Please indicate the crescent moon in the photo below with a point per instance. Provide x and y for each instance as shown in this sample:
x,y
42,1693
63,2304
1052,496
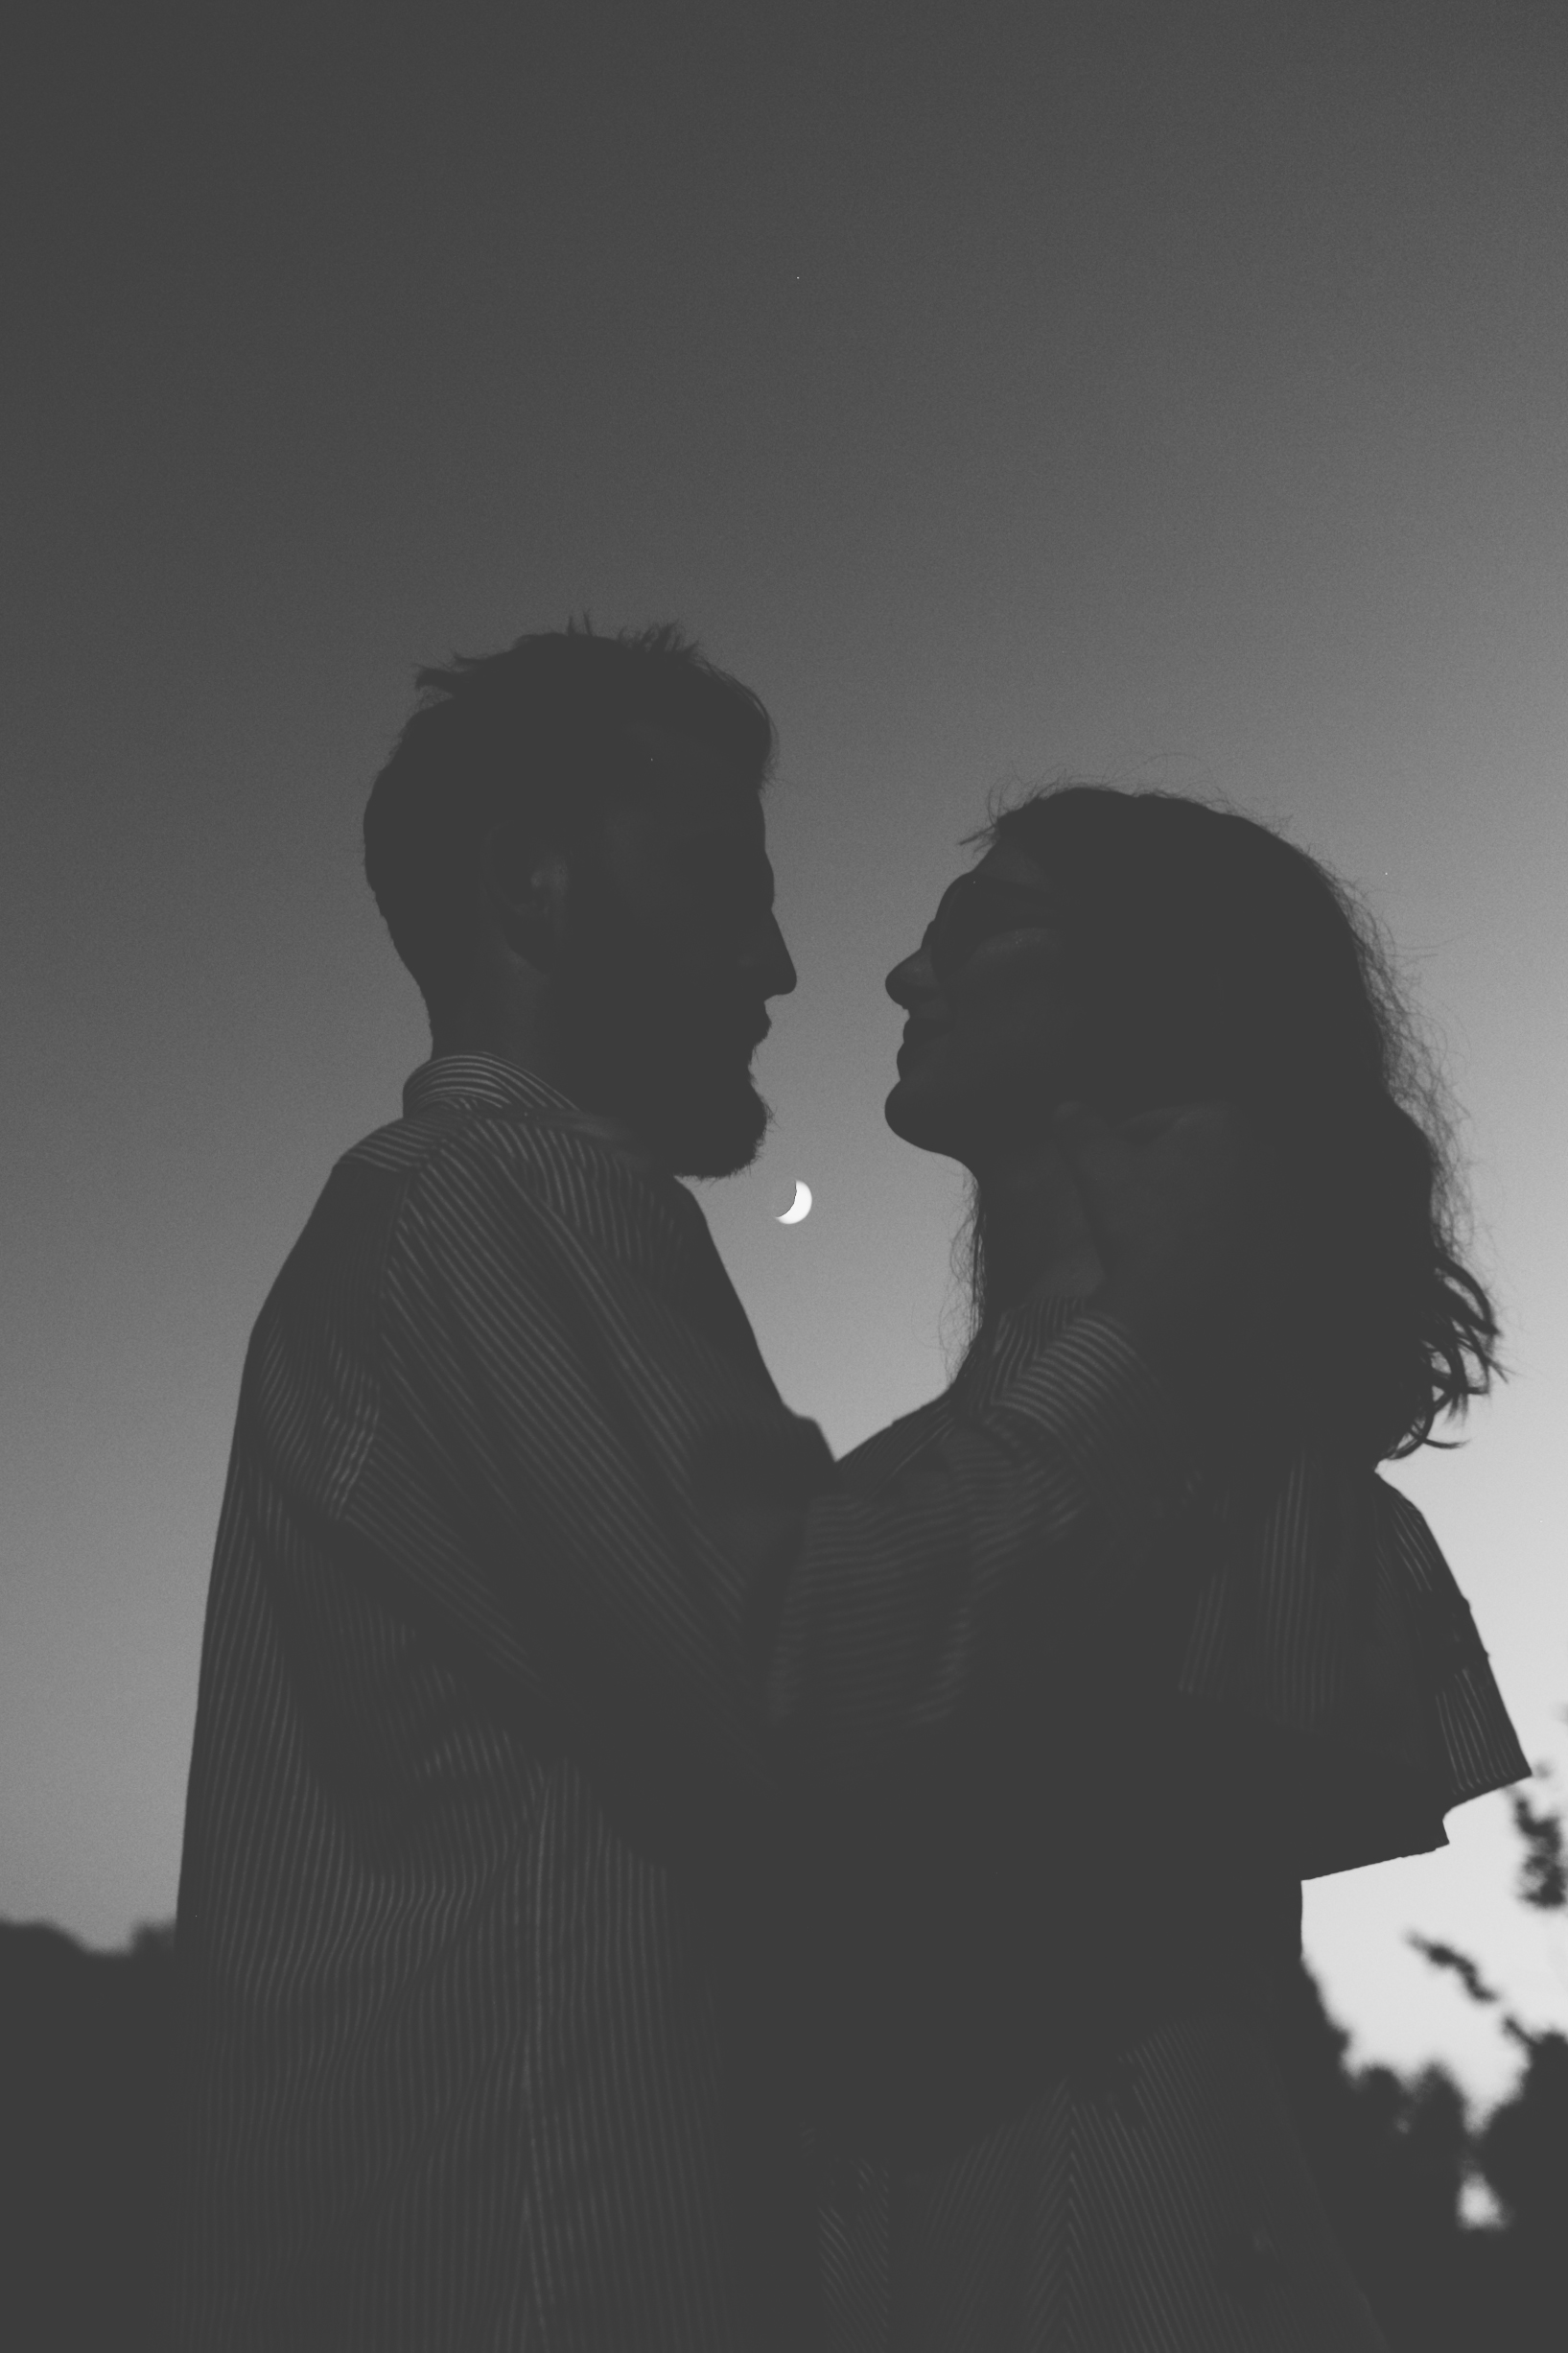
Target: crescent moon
x,y
799,1208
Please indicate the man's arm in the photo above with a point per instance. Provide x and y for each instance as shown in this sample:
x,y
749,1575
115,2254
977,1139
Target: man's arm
x,y
679,1545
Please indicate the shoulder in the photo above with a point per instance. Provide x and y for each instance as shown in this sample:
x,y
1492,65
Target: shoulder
x,y
465,1167
1414,1567
881,1457
1403,1529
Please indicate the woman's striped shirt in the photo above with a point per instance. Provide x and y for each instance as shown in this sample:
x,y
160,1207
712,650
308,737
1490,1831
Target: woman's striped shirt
x,y
1155,2200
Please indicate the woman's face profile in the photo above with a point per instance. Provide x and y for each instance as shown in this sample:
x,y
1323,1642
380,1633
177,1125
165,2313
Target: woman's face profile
x,y
988,1046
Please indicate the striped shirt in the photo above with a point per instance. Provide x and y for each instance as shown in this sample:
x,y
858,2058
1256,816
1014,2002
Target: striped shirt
x,y
1148,2194
532,1612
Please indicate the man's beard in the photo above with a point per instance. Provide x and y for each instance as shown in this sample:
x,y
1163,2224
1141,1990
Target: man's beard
x,y
668,1053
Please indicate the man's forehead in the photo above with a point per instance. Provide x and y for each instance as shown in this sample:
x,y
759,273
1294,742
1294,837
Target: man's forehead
x,y
693,788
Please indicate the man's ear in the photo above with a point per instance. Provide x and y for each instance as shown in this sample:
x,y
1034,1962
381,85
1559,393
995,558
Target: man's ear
x,y
526,888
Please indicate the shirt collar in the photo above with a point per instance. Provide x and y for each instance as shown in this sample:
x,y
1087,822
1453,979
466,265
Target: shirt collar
x,y
485,1081
488,1082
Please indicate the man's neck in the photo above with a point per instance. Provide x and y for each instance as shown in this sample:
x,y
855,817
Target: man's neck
x,y
513,1034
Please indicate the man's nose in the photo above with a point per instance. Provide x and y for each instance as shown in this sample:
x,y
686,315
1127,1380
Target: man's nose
x,y
772,962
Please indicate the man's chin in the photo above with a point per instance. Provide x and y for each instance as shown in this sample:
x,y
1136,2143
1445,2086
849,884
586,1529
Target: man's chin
x,y
714,1136
698,1112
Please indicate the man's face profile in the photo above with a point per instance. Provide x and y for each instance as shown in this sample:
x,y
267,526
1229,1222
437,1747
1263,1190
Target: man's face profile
x,y
670,952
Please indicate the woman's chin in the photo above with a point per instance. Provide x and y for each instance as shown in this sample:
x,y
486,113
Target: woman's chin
x,y
924,1116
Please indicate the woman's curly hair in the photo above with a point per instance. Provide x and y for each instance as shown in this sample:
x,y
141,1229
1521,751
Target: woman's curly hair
x,y
1209,957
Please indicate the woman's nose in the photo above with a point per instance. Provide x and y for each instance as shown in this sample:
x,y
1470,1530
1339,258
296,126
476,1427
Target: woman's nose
x,y
911,980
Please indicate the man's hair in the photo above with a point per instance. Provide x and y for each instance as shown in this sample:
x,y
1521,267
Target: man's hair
x,y
1212,958
534,738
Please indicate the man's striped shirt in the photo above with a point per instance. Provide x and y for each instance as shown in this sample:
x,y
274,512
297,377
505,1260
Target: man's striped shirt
x,y
532,1603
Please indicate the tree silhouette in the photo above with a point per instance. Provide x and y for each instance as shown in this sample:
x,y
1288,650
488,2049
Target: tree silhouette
x,y
1543,1875
86,2074
1392,2156
86,2062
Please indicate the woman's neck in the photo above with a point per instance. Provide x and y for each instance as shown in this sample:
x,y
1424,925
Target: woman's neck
x,y
1035,1233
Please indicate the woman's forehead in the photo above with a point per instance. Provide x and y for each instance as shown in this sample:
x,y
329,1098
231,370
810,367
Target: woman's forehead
x,y
1005,863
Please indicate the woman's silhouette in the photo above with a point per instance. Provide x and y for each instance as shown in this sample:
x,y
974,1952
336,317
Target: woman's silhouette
x,y
1046,2113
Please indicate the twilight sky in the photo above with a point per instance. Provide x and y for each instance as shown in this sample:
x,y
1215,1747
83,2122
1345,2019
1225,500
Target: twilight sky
x,y
1162,393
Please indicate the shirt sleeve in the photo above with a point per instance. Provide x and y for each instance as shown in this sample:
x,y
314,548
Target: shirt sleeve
x,y
1330,1640
681,1545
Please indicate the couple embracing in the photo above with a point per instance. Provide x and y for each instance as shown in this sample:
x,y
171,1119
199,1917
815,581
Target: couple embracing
x,y
651,1888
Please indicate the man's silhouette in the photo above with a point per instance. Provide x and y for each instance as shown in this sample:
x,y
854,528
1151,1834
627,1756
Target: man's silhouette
x,y
532,1606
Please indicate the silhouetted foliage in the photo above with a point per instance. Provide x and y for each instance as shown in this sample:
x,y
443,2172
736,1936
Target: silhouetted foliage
x,y
1460,1965
1393,2159
87,2068
1390,2158
1544,1874
86,2063
1523,2149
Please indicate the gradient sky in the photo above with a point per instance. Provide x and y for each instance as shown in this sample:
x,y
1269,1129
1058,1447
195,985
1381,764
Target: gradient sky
x,y
1162,393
